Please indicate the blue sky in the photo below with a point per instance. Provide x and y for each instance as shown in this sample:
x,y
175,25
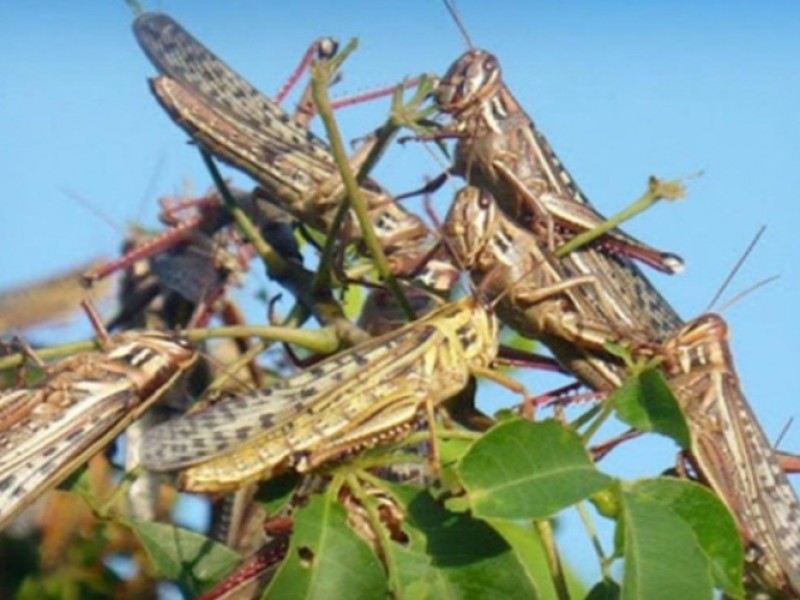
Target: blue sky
x,y
622,91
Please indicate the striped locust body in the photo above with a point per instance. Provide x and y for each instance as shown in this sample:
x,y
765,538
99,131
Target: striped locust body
x,y
501,150
48,431
369,394
232,120
566,303
733,455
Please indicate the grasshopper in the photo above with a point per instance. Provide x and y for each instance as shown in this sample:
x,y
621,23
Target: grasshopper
x,y
500,148
195,259
572,308
233,121
733,455
48,431
370,394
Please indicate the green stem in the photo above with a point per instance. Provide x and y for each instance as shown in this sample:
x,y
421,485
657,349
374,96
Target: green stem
x,y
15,360
104,509
656,190
386,459
275,262
588,524
446,433
605,412
230,371
323,341
322,278
320,80
545,531
299,281
401,115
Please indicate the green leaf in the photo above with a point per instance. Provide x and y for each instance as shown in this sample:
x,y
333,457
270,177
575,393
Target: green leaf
x,y
468,558
519,342
662,557
646,402
524,470
326,559
353,301
711,523
452,449
184,556
604,590
526,545
414,572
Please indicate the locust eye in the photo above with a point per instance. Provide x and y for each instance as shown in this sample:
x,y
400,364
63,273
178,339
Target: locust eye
x,y
484,201
490,64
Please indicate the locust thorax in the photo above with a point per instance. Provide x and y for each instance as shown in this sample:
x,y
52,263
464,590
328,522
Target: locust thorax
x,y
151,359
473,78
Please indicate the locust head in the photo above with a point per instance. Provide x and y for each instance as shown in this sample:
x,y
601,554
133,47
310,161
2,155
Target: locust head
x,y
469,82
177,349
469,225
157,358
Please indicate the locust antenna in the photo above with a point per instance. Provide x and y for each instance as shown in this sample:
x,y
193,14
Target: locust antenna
x,y
233,372
742,294
735,270
149,191
95,209
733,273
451,8
783,433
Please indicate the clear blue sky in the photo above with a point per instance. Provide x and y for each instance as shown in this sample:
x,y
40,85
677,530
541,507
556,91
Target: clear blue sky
x,y
623,91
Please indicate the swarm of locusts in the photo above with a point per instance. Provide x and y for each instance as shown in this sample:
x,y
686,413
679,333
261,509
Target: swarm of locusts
x,y
361,466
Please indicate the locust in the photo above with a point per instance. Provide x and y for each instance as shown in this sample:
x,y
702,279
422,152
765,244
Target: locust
x,y
49,430
572,308
371,394
195,259
500,148
294,169
733,455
